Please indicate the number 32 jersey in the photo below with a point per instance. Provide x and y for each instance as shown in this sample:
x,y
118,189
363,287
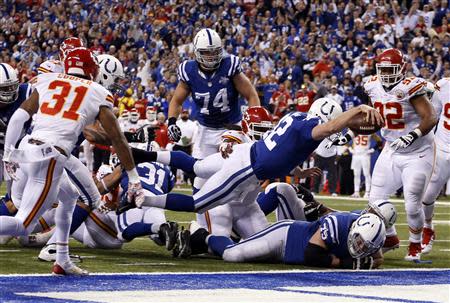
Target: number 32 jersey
x,y
66,105
215,95
395,107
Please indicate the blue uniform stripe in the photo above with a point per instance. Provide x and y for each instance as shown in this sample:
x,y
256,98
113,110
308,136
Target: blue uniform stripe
x,y
232,187
378,232
286,205
125,223
118,223
335,228
266,231
6,70
80,186
209,37
223,185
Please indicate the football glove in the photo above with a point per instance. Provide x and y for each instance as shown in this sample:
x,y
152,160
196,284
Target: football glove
x,y
312,211
363,263
135,194
10,167
173,130
406,140
341,140
225,149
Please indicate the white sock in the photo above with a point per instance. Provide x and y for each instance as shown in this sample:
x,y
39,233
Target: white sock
x,y
428,210
11,226
155,201
163,157
63,219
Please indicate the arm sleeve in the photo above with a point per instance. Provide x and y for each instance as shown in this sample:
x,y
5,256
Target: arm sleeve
x,y
317,256
18,119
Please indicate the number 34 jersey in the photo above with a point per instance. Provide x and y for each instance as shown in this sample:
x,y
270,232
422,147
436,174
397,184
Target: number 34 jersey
x,y
395,107
215,95
66,105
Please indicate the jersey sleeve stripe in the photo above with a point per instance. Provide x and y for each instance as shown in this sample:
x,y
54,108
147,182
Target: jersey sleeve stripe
x,y
233,138
236,64
335,226
415,88
109,98
231,66
184,72
180,74
43,70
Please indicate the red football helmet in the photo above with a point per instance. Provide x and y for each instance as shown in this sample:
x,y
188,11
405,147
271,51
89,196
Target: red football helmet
x,y
256,121
67,45
391,67
81,62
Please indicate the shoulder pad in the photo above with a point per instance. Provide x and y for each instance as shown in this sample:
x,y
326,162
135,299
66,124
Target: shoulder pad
x,y
184,70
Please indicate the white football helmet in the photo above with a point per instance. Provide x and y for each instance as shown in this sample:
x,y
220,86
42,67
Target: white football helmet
x,y
325,108
383,209
109,73
366,236
9,84
208,49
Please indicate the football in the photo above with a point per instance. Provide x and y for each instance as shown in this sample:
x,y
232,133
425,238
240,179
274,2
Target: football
x,y
362,127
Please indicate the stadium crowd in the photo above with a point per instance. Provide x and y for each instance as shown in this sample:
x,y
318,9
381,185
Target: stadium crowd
x,y
293,51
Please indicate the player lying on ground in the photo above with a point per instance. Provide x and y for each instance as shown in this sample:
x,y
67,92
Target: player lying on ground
x,y
48,147
103,228
337,240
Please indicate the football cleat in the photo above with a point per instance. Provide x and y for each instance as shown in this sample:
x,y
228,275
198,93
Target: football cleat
x,y
366,195
68,269
168,231
48,254
391,242
355,195
428,237
414,252
182,247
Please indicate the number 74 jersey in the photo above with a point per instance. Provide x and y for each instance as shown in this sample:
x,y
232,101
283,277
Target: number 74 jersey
x,y
66,105
395,107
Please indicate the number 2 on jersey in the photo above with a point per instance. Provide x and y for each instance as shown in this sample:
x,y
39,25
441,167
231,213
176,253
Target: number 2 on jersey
x,y
278,131
392,112
61,98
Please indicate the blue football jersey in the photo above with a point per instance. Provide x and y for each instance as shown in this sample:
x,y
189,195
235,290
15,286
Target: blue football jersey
x,y
334,229
286,147
7,111
155,177
215,95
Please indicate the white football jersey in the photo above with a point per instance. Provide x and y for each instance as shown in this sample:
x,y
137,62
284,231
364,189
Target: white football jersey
x,y
51,66
361,145
132,127
395,107
441,98
235,136
66,105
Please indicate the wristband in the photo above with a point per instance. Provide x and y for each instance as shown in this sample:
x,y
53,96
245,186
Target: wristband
x,y
172,121
418,132
133,176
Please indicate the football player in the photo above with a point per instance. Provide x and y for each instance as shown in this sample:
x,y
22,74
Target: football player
x,y
337,240
57,66
12,95
295,137
214,80
441,173
103,228
42,154
408,157
361,152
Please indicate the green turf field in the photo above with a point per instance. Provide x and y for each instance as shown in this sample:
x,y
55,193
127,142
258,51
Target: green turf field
x,y
142,255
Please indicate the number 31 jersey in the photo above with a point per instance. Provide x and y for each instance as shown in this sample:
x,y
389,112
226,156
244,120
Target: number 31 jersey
x,y
395,107
66,105
215,95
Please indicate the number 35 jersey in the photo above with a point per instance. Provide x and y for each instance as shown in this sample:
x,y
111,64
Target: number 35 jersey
x,y
66,105
395,107
215,95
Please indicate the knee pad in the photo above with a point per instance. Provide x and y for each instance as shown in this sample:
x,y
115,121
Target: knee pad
x,y
413,209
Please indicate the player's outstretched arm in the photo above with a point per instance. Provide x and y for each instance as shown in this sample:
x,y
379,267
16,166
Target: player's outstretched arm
x,y
246,89
110,181
324,130
95,133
